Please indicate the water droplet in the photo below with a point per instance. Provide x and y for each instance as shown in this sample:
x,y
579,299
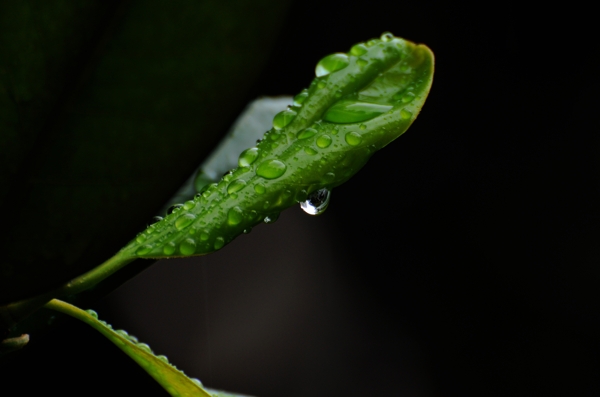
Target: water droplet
x,y
140,238
351,111
353,138
307,133
323,141
187,246
196,381
156,219
247,230
174,208
188,205
271,218
92,313
334,132
144,249
321,84
317,202
169,248
144,347
330,176
235,216
362,62
163,358
331,63
227,176
260,188
236,186
310,151
219,243
363,127
271,169
408,97
184,221
405,114
300,98
358,49
372,42
204,236
387,36
123,333
132,338
282,119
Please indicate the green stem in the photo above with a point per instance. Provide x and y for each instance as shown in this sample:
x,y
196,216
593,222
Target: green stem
x,y
16,311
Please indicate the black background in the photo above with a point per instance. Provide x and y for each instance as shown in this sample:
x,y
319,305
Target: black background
x,y
462,260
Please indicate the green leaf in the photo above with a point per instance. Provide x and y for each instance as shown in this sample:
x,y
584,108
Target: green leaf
x,y
105,107
357,105
174,381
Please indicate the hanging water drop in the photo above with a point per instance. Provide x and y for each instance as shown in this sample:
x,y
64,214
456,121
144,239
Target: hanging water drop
x,y
331,63
317,202
184,221
271,169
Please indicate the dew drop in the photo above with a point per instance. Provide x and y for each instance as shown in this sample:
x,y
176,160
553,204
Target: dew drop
x,y
271,169
140,238
188,205
123,333
271,218
310,151
405,114
334,132
219,243
353,138
358,50
163,358
408,97
307,133
300,98
387,36
330,176
323,141
317,202
247,230
321,84
92,313
234,216
351,111
169,248
236,186
174,208
156,219
196,381
331,63
184,221
362,62
144,347
187,246
204,236
282,119
260,188
363,127
132,338
144,249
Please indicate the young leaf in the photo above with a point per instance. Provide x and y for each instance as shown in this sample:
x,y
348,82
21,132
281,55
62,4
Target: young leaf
x,y
174,381
358,103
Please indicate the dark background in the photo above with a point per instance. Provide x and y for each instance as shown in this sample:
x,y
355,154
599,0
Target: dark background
x,y
462,260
